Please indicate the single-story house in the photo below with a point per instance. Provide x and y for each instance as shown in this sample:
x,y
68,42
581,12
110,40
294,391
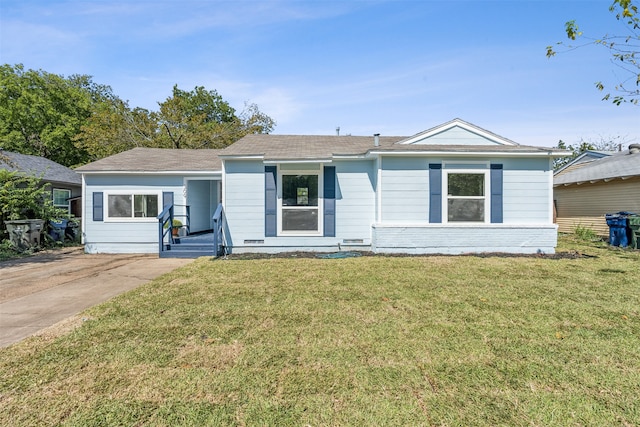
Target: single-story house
x,y
125,193
591,186
64,183
452,189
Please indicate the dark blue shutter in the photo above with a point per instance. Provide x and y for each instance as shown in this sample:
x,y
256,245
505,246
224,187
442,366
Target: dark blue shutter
x,y
98,206
270,202
167,199
329,201
435,192
496,193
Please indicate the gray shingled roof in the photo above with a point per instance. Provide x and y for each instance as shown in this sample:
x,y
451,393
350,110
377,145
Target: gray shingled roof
x,y
585,157
306,147
619,165
290,148
157,160
37,166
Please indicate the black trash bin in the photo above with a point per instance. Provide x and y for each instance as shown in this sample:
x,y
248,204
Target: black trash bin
x,y
72,231
619,231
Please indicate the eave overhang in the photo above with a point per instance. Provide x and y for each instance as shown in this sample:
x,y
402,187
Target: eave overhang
x,y
594,181
179,173
469,153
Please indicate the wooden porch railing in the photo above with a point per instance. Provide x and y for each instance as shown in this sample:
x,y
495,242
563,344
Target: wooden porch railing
x,y
165,225
186,217
219,236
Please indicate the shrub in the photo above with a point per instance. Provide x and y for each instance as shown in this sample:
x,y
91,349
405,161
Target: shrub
x,y
25,197
176,224
585,233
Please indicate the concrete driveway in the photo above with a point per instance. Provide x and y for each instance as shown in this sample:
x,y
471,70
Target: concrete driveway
x,y
42,290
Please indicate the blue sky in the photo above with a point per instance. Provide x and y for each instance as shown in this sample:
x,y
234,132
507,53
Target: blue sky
x,y
389,67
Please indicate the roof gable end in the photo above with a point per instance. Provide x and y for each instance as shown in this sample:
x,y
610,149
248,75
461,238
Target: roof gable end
x,y
456,132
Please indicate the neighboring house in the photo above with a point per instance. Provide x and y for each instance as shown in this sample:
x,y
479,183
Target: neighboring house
x,y
124,194
64,183
453,189
584,157
593,185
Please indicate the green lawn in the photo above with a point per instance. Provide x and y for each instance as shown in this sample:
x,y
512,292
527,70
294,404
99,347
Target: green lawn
x,y
442,341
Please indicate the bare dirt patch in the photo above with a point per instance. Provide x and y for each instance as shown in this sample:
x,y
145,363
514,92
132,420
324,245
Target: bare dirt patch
x,y
302,254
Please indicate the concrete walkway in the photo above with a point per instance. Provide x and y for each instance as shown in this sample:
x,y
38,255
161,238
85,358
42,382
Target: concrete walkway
x,y
42,290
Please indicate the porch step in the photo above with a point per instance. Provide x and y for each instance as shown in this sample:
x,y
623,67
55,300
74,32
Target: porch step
x,y
186,253
190,247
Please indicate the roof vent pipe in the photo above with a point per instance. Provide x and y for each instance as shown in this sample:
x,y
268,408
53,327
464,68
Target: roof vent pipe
x,y
337,130
376,139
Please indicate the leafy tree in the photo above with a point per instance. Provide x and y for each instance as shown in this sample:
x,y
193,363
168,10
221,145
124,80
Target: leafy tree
x,y
202,119
40,112
195,119
624,48
73,120
113,127
254,121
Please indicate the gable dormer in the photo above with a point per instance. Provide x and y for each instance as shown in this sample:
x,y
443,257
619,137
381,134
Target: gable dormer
x,y
456,132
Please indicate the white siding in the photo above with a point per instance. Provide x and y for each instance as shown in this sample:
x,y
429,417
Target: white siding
x,y
457,136
244,200
244,208
123,236
404,199
215,201
355,200
404,189
527,188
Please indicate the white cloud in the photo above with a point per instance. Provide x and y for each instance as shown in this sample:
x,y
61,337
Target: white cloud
x,y
278,104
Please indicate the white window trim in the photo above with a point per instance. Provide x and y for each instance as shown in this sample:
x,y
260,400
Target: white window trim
x,y
68,205
107,218
304,233
445,195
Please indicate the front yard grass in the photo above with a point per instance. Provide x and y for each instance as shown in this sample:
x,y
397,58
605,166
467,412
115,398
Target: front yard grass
x,y
442,341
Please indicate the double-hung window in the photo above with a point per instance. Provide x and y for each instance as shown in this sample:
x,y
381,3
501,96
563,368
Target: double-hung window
x,y
300,204
125,206
61,199
467,196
